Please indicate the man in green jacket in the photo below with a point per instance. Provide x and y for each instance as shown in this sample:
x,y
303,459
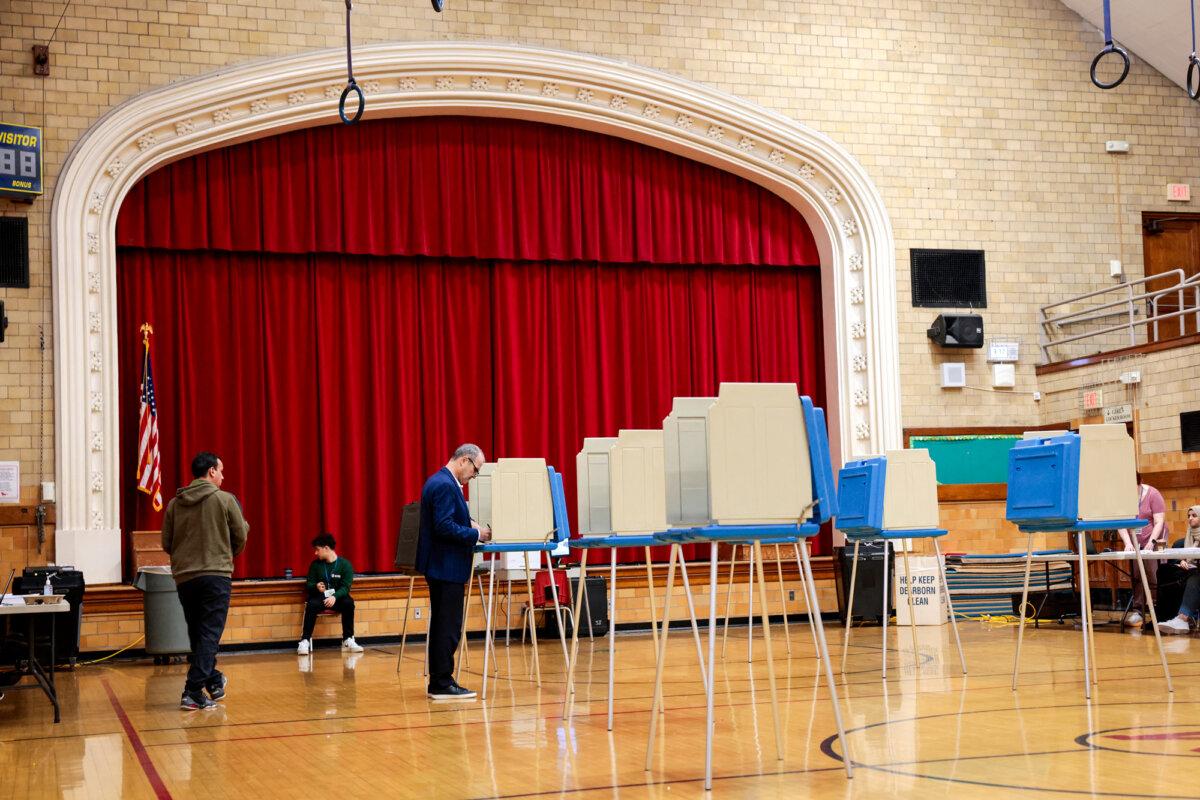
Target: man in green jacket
x,y
329,579
202,531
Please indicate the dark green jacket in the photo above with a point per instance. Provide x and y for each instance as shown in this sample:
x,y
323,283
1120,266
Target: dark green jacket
x,y
202,531
337,576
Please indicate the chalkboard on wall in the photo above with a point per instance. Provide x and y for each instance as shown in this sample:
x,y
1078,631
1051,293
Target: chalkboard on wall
x,y
981,458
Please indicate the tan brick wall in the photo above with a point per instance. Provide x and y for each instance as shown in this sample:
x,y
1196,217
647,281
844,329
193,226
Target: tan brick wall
x,y
975,118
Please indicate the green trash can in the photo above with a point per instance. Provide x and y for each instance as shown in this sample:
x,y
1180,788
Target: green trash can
x,y
162,614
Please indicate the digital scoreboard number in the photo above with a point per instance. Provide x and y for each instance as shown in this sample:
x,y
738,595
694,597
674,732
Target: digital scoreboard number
x,y
20,161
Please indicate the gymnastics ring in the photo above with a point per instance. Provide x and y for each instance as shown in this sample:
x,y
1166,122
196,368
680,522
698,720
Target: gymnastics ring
x,y
1109,47
437,5
352,86
1193,66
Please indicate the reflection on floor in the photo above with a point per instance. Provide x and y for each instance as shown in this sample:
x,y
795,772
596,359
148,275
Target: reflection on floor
x,y
337,725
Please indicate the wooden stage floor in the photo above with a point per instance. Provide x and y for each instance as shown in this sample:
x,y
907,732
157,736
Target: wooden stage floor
x,y
352,728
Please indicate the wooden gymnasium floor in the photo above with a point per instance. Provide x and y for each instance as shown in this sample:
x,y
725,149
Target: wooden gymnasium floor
x,y
352,728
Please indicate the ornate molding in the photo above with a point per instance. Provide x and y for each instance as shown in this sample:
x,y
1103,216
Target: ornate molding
x,y
808,169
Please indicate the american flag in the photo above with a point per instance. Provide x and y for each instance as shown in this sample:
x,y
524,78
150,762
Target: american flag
x,y
149,471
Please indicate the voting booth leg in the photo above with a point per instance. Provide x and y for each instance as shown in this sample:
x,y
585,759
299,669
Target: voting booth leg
x,y
687,592
710,684
1154,619
787,634
507,612
568,701
804,591
1087,650
937,551
885,605
558,616
1024,602
751,558
1086,598
404,627
765,614
537,664
487,625
612,629
912,611
849,607
814,605
465,656
657,703
653,610
728,599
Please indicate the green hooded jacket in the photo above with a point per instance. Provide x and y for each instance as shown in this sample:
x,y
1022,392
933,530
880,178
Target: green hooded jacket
x,y
202,531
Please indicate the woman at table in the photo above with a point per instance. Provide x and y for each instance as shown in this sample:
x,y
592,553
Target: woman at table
x,y
1190,606
1153,509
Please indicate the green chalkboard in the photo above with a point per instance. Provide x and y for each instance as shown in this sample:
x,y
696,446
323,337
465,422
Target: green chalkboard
x,y
969,459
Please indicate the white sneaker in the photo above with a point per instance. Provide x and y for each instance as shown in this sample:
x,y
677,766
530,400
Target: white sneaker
x,y
351,646
305,647
1175,627
1133,620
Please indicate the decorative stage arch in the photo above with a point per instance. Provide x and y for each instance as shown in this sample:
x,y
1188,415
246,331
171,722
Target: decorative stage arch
x,y
818,177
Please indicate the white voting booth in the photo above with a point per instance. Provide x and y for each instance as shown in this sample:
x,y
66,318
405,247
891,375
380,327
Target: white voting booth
x,y
514,497
760,488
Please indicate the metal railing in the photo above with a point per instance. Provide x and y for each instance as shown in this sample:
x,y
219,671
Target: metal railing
x,y
1056,328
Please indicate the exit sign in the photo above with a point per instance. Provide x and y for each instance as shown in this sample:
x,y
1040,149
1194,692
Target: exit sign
x,y
1179,192
1093,399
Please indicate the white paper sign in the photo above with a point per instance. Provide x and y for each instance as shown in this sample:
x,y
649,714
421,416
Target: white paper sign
x,y
10,482
1122,413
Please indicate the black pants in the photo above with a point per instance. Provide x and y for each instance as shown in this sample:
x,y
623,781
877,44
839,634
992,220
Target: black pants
x,y
205,603
445,628
315,605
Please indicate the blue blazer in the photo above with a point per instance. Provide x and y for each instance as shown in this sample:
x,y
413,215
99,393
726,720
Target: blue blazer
x,y
446,545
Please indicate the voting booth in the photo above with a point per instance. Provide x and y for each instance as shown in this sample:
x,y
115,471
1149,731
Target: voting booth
x,y
889,497
1076,482
769,479
1058,481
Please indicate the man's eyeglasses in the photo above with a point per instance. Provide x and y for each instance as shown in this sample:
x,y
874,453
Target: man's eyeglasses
x,y
474,468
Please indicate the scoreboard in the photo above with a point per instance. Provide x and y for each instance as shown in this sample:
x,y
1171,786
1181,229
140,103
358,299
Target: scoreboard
x,y
20,161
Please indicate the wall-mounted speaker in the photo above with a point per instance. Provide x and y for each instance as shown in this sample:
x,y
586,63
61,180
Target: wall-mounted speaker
x,y
957,330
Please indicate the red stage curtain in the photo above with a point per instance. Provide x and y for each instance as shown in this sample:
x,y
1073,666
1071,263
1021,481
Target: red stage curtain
x,y
332,383
464,188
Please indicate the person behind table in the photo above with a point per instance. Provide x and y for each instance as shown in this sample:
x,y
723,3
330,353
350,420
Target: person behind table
x,y
329,579
1153,509
1190,606
203,530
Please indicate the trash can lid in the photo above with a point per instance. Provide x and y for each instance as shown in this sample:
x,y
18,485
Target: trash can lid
x,y
154,579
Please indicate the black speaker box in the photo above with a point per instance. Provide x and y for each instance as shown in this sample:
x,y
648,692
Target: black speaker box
x,y
957,330
66,581
595,609
868,582
410,532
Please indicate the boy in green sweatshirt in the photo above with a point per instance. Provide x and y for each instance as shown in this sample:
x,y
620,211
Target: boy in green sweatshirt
x,y
329,580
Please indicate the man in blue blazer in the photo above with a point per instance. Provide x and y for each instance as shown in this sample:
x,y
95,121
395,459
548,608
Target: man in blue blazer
x,y
445,552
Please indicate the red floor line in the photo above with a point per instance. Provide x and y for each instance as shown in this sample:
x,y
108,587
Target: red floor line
x,y
143,757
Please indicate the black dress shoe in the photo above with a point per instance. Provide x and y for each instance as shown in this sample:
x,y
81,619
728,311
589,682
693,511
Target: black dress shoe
x,y
452,692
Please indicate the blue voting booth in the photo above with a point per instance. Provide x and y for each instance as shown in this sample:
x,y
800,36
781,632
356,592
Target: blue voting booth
x,y
1074,483
884,498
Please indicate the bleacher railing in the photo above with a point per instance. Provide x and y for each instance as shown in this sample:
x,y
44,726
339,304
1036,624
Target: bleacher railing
x,y
1124,302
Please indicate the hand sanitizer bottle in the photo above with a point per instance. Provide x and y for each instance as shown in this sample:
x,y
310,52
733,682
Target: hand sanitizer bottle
x,y
47,589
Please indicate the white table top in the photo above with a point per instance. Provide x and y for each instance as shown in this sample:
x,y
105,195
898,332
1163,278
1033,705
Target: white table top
x,y
1171,553
47,608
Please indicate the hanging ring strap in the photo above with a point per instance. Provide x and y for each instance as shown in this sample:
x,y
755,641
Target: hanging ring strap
x,y
1193,73
351,84
1109,47
437,5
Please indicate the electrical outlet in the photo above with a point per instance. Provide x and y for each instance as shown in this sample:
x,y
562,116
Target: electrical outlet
x,y
791,595
417,612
